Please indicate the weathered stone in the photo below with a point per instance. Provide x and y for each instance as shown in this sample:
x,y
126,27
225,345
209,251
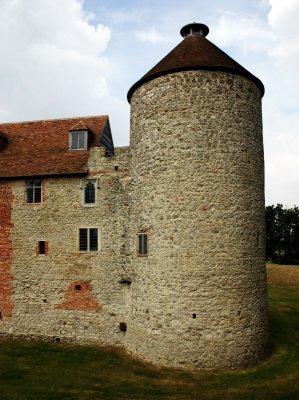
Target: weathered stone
x,y
205,274
193,181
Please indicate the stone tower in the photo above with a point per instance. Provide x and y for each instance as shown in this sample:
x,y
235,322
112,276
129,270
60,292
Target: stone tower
x,y
199,289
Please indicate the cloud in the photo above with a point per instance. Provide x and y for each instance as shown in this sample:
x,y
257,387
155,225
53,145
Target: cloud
x,y
283,19
248,32
265,41
282,156
53,63
124,17
151,35
281,110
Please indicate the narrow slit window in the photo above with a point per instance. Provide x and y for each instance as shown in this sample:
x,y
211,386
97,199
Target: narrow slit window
x,y
142,244
42,247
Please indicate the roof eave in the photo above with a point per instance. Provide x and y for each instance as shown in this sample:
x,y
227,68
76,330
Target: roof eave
x,y
148,78
45,175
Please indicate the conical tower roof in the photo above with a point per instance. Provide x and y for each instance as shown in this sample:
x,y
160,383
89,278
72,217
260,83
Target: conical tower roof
x,y
195,52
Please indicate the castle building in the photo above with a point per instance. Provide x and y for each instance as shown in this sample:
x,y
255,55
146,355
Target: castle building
x,y
158,247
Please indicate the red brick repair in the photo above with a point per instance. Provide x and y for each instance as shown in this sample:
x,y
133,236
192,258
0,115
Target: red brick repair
x,y
79,297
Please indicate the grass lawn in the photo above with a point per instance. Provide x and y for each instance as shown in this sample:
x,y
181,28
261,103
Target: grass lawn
x,y
40,371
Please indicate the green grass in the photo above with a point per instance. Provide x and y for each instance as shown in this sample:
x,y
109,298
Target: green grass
x,y
48,371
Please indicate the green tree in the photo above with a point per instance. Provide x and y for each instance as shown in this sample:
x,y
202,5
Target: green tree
x,y
282,240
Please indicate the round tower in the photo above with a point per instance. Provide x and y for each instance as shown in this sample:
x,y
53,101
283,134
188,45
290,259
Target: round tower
x,y
197,211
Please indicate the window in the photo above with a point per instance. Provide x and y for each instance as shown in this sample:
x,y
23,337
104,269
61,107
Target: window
x,y
33,191
142,244
42,248
88,239
89,193
78,140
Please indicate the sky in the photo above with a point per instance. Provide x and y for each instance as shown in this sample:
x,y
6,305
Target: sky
x,y
71,58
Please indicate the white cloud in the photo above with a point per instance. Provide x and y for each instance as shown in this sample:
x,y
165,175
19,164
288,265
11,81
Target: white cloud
x,y
151,35
124,17
269,47
283,19
53,63
282,156
247,32
281,109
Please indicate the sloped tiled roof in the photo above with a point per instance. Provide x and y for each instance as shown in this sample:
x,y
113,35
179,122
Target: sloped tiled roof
x,y
41,148
193,53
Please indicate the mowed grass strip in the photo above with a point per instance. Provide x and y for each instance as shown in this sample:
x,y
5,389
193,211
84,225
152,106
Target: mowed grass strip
x,y
44,371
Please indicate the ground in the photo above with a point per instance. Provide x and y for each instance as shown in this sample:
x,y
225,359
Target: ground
x,y
55,371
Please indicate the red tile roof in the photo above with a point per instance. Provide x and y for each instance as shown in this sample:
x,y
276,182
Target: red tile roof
x,y
193,53
41,148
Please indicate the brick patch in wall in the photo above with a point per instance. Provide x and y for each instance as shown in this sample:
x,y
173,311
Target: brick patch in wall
x,y
6,203
79,297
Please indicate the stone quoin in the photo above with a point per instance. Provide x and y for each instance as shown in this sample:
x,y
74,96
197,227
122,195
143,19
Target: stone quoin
x,y
159,246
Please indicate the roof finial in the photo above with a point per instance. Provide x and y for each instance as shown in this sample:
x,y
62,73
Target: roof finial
x,y
194,29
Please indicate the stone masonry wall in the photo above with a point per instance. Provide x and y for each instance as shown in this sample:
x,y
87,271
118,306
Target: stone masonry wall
x,y
65,294
6,202
199,297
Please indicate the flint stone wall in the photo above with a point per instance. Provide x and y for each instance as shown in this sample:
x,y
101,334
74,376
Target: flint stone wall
x,y
199,298
66,294
193,179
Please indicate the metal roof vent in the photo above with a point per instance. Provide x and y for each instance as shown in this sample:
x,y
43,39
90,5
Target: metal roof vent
x,y
194,29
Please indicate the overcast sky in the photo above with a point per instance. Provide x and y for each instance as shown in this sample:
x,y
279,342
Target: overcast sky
x,y
64,58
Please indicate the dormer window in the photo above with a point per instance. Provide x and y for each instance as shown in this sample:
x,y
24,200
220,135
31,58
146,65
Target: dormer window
x,y
78,140
3,141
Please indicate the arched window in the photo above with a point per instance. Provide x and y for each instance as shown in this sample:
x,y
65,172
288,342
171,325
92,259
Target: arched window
x,y
89,193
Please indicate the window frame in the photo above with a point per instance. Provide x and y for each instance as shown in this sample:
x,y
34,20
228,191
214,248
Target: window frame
x,y
85,182
142,244
88,239
77,132
35,188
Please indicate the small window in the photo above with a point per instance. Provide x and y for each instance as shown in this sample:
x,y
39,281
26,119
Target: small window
x,y
33,191
89,193
142,244
78,140
88,239
42,248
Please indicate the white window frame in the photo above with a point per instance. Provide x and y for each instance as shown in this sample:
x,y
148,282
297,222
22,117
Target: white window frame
x,y
88,240
85,132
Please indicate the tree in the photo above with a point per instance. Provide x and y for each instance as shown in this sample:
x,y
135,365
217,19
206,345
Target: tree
x,y
282,237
